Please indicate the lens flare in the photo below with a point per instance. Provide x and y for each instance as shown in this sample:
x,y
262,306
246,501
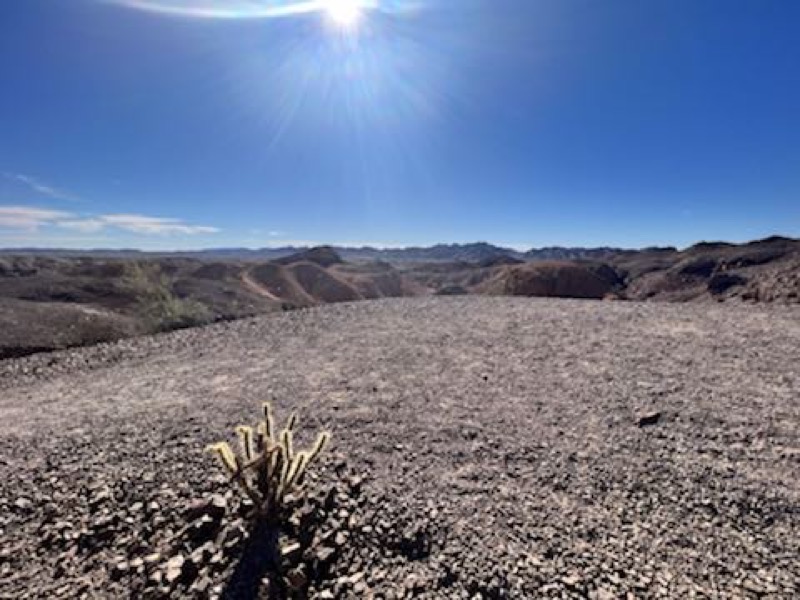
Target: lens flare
x,y
343,13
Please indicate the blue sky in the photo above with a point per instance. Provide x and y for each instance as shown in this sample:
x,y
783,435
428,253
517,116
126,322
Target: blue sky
x,y
165,124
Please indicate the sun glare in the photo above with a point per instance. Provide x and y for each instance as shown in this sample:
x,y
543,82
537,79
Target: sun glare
x,y
343,13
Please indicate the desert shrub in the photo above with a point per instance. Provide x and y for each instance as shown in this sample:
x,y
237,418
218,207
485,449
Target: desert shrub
x,y
156,303
165,312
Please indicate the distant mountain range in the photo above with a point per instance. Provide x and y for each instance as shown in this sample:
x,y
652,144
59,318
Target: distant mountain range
x,y
479,252
52,299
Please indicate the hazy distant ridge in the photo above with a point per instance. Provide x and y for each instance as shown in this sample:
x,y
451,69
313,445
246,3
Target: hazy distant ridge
x,y
474,252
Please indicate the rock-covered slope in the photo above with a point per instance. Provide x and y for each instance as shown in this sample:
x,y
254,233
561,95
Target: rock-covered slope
x,y
56,302
554,280
320,276
765,270
761,271
483,446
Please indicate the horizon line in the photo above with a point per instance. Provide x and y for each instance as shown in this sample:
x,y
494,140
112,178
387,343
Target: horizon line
x,y
386,248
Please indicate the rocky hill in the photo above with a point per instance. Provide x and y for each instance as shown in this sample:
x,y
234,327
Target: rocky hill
x,y
52,301
553,280
765,270
57,302
761,271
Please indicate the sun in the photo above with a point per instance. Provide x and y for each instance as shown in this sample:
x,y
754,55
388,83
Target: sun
x,y
343,13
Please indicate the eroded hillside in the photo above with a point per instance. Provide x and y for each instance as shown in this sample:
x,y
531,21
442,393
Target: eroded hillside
x,y
51,302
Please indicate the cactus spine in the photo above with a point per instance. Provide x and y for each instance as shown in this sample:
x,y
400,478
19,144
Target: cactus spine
x,y
267,466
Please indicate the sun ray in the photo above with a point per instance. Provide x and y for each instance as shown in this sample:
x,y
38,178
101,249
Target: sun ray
x,y
344,13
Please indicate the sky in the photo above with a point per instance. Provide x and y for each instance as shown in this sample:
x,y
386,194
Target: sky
x,y
179,124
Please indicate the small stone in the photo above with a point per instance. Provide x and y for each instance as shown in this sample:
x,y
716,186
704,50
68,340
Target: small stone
x,y
119,570
217,558
753,586
412,582
297,579
202,585
649,419
290,551
155,579
604,594
202,555
23,504
231,536
203,530
356,577
213,507
325,554
99,498
174,569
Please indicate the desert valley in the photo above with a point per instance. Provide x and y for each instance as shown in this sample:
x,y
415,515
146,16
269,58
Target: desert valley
x,y
399,300
59,299
483,445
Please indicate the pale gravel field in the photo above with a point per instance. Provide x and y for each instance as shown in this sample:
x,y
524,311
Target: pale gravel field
x,y
508,426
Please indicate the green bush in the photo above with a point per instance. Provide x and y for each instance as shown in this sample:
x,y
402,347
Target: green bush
x,y
155,302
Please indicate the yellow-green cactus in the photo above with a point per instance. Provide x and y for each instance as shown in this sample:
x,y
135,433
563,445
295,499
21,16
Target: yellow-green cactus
x,y
267,467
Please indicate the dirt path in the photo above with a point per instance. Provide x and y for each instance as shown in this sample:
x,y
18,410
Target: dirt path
x,y
498,438
257,288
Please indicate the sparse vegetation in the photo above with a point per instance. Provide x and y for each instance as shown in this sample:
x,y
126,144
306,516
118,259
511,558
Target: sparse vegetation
x,y
157,305
267,466
267,469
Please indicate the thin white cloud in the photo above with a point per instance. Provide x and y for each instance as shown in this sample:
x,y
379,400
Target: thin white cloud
x,y
28,218
154,225
40,187
31,219
83,225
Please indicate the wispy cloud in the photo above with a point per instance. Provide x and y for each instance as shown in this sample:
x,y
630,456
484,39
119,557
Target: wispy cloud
x,y
29,219
154,225
83,225
40,187
26,218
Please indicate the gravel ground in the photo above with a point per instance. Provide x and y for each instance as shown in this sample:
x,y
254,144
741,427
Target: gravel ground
x,y
483,448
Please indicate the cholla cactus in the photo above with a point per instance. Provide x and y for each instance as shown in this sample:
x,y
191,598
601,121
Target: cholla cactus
x,y
267,466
